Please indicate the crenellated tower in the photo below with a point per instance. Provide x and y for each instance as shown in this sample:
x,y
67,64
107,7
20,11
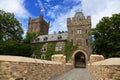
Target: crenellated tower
x,y
38,25
79,28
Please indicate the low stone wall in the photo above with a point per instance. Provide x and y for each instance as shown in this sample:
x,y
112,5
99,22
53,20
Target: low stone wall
x,y
21,68
96,58
105,70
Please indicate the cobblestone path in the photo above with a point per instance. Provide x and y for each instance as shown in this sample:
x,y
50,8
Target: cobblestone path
x,y
75,74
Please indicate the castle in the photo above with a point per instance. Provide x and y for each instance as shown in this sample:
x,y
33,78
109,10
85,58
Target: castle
x,y
38,25
79,28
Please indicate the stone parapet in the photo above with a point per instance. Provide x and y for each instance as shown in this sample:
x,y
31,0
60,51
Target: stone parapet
x,y
105,70
95,58
21,68
59,58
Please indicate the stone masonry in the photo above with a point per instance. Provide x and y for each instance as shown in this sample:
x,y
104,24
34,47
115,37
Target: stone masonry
x,y
79,34
22,68
79,28
38,25
108,69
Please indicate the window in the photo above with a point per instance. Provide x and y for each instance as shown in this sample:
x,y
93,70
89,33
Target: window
x,y
37,39
43,56
79,43
58,48
45,38
79,31
59,37
43,50
87,42
71,31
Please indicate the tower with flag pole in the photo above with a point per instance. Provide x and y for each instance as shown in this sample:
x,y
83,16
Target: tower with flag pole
x,y
39,24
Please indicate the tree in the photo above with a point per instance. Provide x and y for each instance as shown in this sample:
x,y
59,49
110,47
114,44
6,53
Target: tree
x,y
11,47
11,36
10,28
31,36
107,36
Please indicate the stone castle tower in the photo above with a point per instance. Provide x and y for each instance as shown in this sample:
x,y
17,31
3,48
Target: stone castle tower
x,y
79,28
38,25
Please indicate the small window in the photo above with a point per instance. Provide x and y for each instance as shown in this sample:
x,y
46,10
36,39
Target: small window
x,y
43,56
87,42
71,32
43,50
58,48
79,31
59,37
45,38
37,39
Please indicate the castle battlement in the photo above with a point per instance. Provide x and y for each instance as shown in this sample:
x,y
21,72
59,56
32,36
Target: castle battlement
x,y
79,19
38,25
78,28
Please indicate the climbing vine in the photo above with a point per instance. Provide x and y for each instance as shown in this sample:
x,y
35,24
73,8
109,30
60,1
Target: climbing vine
x,y
50,50
67,50
37,49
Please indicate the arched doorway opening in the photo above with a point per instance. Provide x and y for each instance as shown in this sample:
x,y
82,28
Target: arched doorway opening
x,y
80,60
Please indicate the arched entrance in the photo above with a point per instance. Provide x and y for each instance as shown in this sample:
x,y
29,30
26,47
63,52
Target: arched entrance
x,y
79,60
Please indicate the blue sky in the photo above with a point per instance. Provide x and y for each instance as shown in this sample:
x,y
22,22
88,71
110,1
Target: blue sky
x,y
56,11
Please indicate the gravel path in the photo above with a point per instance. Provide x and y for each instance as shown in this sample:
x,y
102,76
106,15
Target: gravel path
x,y
75,74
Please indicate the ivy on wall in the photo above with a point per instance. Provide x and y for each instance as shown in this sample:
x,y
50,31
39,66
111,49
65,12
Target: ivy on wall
x,y
37,49
67,50
50,50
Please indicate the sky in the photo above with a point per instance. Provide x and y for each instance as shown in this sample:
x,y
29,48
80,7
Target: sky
x,y
56,11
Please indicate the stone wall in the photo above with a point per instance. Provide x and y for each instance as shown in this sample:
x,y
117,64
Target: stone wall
x,y
108,69
59,58
38,25
21,68
96,58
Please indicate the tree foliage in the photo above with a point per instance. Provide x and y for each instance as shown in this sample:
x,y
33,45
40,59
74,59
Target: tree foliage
x,y
107,36
67,50
11,36
11,47
31,36
10,28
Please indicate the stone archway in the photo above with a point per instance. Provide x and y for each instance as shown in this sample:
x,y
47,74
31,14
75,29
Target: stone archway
x,y
79,59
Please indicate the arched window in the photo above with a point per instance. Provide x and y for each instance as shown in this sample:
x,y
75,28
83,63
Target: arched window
x,y
45,38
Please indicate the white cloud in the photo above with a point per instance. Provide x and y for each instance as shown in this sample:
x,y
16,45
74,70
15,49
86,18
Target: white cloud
x,y
48,0
39,3
60,22
24,25
100,8
52,11
14,6
94,8
51,14
18,8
